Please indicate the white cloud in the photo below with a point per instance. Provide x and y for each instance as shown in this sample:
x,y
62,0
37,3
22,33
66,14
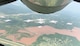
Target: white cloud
x,y
40,26
40,21
8,20
29,20
53,21
69,23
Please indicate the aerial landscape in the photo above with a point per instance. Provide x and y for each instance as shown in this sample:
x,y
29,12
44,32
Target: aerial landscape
x,y
20,27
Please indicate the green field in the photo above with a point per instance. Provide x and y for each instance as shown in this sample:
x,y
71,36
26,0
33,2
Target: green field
x,y
56,40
